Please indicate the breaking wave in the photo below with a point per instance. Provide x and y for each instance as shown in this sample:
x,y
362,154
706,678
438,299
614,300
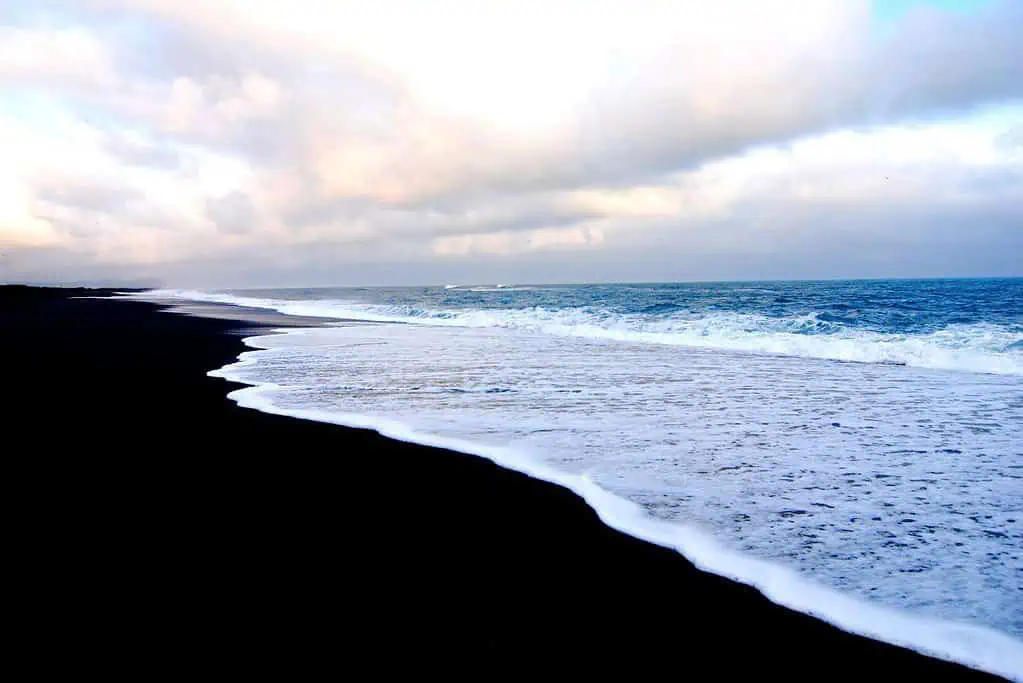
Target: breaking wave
x,y
977,347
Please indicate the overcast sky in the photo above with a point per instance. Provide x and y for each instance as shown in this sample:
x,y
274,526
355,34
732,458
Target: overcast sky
x,y
239,143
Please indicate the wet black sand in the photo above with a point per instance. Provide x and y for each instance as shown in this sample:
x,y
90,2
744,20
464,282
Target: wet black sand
x,y
157,528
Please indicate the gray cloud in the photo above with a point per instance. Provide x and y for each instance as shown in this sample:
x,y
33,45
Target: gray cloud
x,y
942,60
233,213
1012,140
140,151
936,63
89,196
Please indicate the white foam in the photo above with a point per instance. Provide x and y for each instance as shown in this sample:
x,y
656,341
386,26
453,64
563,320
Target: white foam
x,y
975,646
981,348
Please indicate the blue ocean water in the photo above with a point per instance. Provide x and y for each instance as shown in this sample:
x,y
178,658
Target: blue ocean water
x,y
853,448
972,325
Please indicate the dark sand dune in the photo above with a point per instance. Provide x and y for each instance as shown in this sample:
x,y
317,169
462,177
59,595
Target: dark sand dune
x,y
159,527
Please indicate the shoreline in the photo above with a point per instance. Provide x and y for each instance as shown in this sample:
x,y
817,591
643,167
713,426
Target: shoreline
x,y
943,639
287,521
974,645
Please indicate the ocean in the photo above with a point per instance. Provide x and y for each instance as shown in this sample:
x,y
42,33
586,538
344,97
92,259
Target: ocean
x,y
852,448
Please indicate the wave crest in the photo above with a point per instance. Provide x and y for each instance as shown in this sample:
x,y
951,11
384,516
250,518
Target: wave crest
x,y
983,347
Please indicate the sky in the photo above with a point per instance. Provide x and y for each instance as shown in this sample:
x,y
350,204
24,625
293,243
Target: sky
x,y
238,143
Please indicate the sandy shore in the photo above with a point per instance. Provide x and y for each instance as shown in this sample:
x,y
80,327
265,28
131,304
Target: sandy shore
x,y
163,528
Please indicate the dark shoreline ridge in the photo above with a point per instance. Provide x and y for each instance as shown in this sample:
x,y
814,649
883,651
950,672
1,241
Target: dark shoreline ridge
x,y
163,528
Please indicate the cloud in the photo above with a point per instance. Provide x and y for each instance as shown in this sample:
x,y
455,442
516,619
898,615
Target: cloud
x,y
135,149
70,58
447,95
1011,142
233,213
149,135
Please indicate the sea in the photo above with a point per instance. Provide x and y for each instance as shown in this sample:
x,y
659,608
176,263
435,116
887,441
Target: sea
x,y
854,449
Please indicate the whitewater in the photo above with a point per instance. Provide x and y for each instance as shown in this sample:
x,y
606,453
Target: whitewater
x,y
977,346
853,449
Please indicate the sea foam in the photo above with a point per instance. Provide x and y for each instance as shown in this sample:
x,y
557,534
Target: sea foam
x,y
977,347
975,646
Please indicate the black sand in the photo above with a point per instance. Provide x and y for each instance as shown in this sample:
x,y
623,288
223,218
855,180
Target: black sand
x,y
160,528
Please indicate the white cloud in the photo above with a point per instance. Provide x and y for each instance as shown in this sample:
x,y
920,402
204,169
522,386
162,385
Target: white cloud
x,y
402,131
67,57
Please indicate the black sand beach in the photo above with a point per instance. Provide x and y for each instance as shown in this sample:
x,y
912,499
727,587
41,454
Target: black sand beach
x,y
160,528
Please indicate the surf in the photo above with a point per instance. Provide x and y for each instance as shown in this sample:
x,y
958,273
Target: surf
x,y
978,347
